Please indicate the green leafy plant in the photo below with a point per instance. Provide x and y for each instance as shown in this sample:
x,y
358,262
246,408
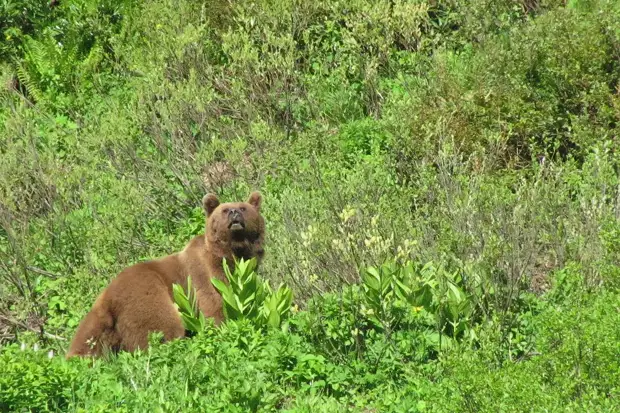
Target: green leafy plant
x,y
248,297
384,288
437,291
192,317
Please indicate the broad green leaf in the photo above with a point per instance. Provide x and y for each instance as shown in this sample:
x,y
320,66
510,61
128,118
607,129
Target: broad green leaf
x,y
219,285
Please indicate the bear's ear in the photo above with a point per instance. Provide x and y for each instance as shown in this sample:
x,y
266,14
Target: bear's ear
x,y
255,200
209,203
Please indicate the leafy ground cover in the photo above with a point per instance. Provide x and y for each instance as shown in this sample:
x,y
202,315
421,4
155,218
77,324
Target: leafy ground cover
x,y
441,184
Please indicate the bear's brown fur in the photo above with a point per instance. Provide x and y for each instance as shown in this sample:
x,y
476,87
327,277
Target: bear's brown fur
x,y
139,300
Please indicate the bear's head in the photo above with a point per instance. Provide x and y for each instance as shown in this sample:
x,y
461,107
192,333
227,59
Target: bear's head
x,y
235,228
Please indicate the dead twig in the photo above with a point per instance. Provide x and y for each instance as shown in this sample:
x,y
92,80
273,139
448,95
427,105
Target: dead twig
x,y
29,328
42,272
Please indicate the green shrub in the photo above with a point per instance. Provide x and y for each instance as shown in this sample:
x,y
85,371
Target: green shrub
x,y
247,297
187,304
34,381
433,289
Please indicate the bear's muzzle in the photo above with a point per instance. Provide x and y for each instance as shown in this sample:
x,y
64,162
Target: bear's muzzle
x,y
236,222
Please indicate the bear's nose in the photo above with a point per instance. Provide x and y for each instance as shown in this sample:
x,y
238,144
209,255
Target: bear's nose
x,y
235,220
234,214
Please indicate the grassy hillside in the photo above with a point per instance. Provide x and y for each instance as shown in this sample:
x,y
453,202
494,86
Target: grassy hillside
x,y
471,145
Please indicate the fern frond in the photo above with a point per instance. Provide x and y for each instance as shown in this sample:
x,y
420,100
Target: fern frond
x,y
94,58
38,55
29,83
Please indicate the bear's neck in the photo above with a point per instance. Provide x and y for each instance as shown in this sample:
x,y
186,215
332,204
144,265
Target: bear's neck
x,y
220,249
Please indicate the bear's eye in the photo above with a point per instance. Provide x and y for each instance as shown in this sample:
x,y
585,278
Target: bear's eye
x,y
225,210
242,209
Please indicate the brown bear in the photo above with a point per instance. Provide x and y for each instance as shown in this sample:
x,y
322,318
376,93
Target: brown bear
x,y
139,300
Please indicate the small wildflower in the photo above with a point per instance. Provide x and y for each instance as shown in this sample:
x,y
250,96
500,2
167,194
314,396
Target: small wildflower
x,y
50,355
295,309
346,214
374,220
36,347
23,347
308,235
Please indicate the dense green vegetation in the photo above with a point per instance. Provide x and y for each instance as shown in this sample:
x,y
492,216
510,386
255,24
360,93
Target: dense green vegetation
x,y
441,185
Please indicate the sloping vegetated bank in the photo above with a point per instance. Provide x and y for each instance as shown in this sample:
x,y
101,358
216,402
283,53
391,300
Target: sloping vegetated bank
x,y
478,135
559,354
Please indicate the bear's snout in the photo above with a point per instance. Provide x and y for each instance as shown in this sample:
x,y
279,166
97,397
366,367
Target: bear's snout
x,y
235,219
